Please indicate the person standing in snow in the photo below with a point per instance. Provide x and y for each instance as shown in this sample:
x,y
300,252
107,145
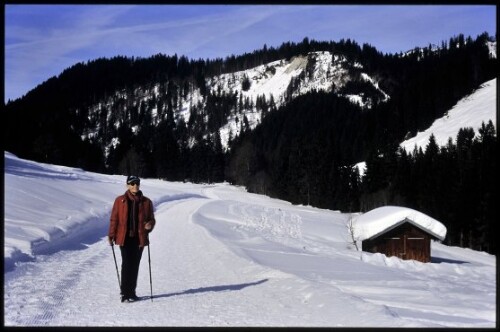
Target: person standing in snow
x,y
132,219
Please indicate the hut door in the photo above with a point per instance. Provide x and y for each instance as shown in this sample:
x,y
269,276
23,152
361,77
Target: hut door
x,y
406,242
415,248
393,246
407,247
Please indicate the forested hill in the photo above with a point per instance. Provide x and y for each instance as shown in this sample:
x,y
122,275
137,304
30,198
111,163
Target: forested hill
x,y
287,121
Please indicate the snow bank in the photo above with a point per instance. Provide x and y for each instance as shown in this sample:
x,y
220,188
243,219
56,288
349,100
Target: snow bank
x,y
49,208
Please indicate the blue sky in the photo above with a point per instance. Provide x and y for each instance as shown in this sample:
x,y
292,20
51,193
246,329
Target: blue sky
x,y
43,40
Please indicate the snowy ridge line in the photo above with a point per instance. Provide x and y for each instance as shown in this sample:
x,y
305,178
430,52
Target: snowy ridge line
x,y
316,71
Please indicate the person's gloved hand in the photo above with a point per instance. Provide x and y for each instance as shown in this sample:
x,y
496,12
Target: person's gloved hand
x,y
148,226
111,240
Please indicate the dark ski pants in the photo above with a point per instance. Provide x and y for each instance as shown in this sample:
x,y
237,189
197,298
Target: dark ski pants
x,y
131,258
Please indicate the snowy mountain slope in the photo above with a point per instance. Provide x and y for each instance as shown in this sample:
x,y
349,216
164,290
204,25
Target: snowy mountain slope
x,y
220,257
471,111
316,71
321,71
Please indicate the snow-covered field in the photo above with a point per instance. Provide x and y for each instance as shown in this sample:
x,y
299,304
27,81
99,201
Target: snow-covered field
x,y
219,257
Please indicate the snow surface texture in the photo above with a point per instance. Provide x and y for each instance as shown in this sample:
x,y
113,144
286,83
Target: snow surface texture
x,y
378,220
219,257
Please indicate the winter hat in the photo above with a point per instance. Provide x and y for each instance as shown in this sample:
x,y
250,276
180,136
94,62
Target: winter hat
x,y
133,178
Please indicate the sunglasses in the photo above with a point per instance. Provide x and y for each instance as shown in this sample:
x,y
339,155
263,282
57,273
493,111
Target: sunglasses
x,y
134,183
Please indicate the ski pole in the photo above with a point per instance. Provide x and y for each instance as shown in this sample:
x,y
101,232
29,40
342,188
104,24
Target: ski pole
x,y
150,279
116,265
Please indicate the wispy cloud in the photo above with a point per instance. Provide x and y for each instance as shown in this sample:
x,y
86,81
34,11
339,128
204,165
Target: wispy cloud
x,y
36,52
43,40
80,33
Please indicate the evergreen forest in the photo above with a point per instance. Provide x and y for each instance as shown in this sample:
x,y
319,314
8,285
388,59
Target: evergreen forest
x,y
96,116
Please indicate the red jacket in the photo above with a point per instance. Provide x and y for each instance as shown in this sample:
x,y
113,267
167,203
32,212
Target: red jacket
x,y
119,216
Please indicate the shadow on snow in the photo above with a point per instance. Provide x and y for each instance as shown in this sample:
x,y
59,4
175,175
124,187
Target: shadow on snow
x,y
222,288
440,260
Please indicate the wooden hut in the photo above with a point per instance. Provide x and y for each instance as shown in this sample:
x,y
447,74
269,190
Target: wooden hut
x,y
405,240
400,232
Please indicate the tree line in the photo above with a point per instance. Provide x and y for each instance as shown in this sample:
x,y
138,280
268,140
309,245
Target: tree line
x,y
121,115
455,184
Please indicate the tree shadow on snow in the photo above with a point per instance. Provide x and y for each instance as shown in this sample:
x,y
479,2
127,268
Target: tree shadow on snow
x,y
221,288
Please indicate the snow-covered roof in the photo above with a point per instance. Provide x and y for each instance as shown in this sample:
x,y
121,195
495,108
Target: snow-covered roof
x,y
379,220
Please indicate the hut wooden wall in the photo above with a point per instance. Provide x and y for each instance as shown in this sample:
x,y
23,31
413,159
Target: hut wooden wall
x,y
405,241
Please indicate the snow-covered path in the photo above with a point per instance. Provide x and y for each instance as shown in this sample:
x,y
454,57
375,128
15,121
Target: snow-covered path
x,y
220,257
197,281
200,281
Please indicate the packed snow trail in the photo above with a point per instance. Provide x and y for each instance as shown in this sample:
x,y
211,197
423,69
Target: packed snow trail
x,y
196,282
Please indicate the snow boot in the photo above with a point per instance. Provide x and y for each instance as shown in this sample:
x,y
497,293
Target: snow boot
x,y
131,298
